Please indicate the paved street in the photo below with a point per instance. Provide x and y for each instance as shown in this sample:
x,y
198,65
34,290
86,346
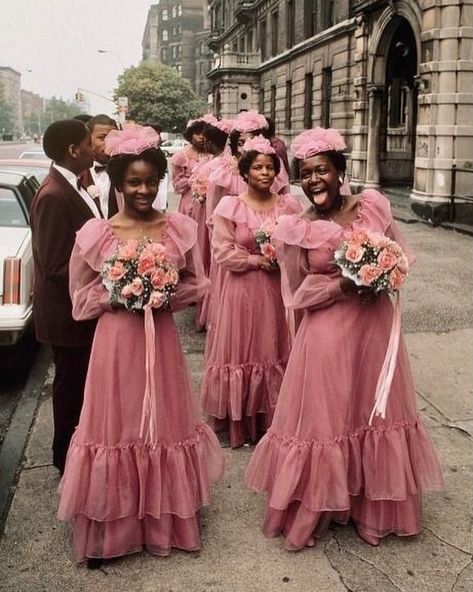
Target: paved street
x,y
35,552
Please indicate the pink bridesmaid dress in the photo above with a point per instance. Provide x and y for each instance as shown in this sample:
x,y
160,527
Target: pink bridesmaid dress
x,y
183,164
124,492
248,351
321,460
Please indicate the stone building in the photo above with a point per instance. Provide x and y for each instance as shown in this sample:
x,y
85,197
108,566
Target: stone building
x,y
176,35
10,81
394,76
32,107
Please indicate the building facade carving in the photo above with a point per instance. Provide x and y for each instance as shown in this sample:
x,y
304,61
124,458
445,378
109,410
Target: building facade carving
x,y
394,76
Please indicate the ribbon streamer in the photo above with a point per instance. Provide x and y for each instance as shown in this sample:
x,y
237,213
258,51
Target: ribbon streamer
x,y
385,378
148,428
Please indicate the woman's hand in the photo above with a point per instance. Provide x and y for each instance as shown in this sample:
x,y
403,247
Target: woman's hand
x,y
365,294
265,264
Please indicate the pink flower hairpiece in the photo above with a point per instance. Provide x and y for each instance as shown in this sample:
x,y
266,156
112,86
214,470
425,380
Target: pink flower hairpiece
x,y
249,121
224,125
206,118
258,144
132,139
314,141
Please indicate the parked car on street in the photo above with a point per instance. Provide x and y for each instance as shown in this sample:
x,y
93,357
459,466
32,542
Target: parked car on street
x,y
38,168
170,147
34,155
16,257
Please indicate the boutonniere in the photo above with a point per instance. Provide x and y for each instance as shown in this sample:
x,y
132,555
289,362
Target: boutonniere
x,y
93,191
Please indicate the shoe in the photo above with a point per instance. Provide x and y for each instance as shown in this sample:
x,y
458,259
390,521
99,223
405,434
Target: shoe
x,y
94,563
368,538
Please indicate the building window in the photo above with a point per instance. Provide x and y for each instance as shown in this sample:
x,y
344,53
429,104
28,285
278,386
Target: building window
x,y
164,54
174,11
164,14
274,32
179,50
288,113
242,45
262,40
398,102
325,114
261,100
179,10
290,23
308,91
310,18
327,8
249,41
165,35
272,111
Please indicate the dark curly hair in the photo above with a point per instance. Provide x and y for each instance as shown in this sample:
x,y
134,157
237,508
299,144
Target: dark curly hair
x,y
248,158
60,135
196,128
117,165
235,136
216,137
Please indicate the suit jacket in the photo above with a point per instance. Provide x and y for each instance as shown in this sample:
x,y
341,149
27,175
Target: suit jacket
x,y
57,213
87,180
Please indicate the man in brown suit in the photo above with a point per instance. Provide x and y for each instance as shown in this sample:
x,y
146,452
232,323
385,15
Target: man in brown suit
x,y
59,209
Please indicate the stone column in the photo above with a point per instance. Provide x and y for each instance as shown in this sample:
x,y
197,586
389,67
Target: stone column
x,y
375,94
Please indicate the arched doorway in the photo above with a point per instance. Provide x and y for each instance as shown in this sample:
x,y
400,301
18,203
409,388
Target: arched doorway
x,y
399,107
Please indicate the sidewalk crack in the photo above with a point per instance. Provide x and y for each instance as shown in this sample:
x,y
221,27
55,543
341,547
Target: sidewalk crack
x,y
459,574
447,542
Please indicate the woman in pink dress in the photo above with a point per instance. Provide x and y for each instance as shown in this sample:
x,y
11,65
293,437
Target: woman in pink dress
x,y
141,461
184,162
247,357
322,459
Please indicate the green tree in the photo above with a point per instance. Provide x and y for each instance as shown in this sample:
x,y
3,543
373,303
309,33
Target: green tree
x,y
6,114
56,109
159,94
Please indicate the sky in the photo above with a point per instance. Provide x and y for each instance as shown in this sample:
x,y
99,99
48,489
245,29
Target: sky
x,y
54,45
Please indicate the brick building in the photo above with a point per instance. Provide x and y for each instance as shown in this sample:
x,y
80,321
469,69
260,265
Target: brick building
x,y
10,81
176,35
394,76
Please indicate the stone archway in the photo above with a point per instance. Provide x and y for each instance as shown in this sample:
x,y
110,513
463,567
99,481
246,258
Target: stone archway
x,y
392,93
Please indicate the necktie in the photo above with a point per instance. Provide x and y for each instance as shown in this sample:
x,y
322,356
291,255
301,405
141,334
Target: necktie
x,y
99,168
96,200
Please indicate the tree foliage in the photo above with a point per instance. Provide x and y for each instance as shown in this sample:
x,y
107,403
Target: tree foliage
x,y
157,93
6,114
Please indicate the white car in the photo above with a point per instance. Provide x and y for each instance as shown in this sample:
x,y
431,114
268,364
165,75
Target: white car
x,y
16,256
34,155
170,147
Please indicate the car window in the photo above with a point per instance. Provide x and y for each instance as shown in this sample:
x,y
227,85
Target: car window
x,y
11,212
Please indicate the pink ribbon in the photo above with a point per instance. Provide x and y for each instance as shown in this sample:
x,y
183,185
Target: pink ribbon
x,y
385,378
148,428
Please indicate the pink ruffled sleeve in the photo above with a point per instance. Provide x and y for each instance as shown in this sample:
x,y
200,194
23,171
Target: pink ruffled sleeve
x,y
224,247
281,182
180,172
94,243
193,283
301,288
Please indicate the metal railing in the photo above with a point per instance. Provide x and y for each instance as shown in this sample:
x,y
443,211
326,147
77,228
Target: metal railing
x,y
453,197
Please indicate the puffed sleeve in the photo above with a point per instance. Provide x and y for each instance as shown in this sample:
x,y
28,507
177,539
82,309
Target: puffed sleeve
x,y
89,296
180,172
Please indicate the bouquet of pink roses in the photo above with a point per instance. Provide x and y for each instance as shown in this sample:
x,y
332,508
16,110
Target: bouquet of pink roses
x,y
263,240
199,188
139,275
372,260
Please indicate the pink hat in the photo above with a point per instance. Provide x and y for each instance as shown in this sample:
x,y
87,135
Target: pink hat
x,y
250,121
224,125
132,139
258,144
314,141
206,118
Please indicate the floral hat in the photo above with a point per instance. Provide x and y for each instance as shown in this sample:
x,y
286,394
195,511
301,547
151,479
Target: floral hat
x,y
206,118
224,125
132,139
250,121
314,141
258,144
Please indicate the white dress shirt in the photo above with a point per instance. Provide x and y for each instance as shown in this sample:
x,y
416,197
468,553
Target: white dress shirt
x,y
103,183
72,179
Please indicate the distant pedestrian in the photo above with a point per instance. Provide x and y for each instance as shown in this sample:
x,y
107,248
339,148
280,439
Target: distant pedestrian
x,y
59,209
141,462
331,454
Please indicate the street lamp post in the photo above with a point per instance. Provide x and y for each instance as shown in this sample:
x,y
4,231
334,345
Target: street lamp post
x,y
114,54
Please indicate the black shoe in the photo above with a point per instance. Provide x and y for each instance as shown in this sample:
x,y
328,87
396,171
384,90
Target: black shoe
x,y
94,563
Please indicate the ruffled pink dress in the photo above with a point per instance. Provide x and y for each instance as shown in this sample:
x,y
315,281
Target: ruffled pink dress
x,y
122,492
320,460
248,352
183,164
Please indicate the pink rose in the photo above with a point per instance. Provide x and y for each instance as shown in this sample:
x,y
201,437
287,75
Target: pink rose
x,y
386,260
158,250
146,262
172,276
379,240
127,291
269,251
158,278
116,272
136,287
128,250
394,248
354,252
396,279
368,274
358,237
403,264
156,299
